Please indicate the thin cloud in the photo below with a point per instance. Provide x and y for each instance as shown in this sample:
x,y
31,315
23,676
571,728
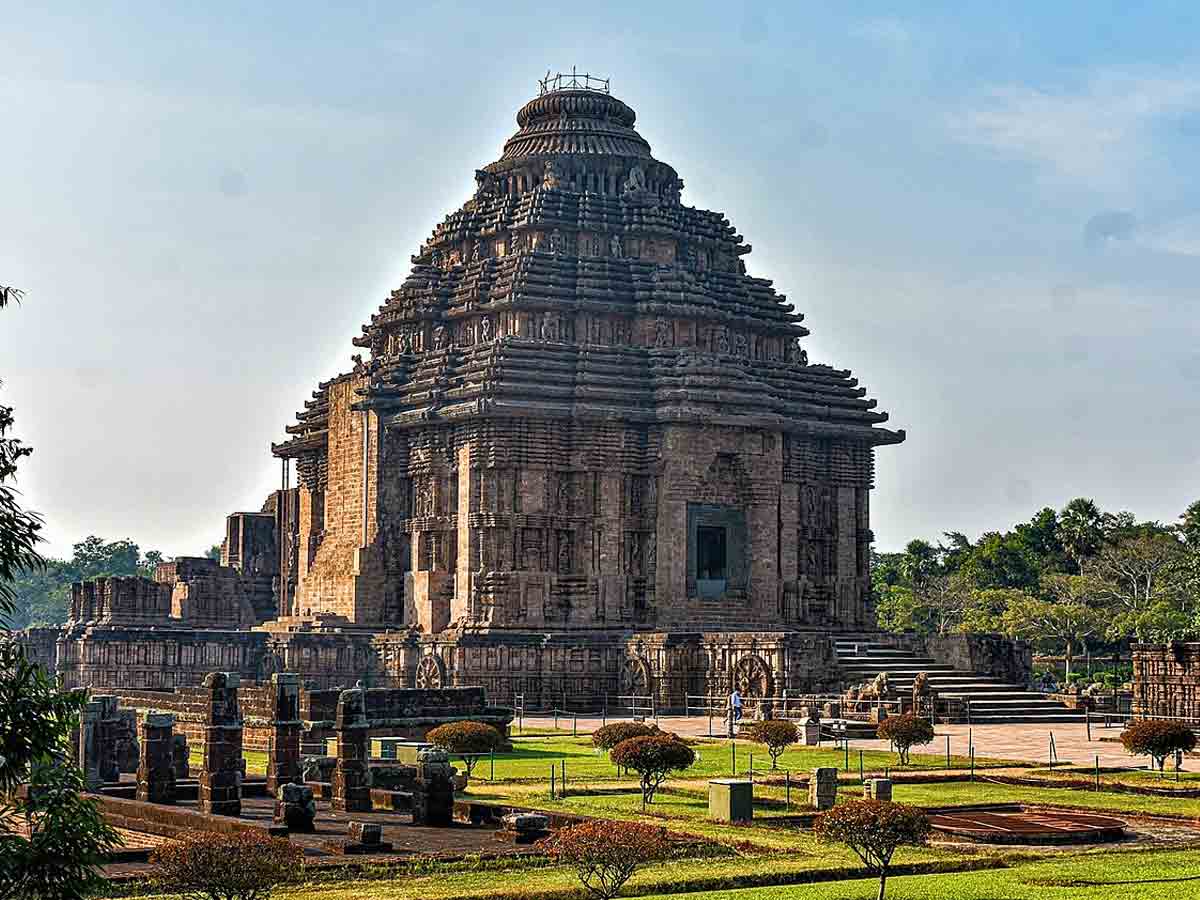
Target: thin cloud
x,y
1094,135
891,34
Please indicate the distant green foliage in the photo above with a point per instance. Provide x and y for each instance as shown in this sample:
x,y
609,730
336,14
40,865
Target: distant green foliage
x,y
1119,579
42,594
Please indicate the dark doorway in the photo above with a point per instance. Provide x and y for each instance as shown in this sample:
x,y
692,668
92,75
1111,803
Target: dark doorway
x,y
711,561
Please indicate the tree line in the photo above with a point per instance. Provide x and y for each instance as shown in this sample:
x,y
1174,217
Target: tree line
x,y
1068,580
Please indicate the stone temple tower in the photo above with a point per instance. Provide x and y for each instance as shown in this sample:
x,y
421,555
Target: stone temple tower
x,y
582,449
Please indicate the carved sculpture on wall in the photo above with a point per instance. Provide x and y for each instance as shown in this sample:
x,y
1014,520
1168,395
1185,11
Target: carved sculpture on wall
x,y
441,337
485,184
431,673
636,679
556,241
722,342
636,182
552,175
752,677
614,247
485,330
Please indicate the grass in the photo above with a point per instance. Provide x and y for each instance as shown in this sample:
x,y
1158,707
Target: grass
x,y
534,755
1129,876
986,792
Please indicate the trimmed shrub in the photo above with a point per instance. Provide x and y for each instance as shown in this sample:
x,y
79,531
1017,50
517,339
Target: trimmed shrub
x,y
205,865
873,829
1157,739
653,757
612,734
466,737
905,732
776,735
605,854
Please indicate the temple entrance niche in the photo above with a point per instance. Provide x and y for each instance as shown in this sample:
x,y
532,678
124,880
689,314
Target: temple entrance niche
x,y
716,551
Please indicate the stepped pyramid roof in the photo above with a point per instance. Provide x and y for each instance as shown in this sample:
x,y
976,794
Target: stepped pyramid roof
x,y
575,283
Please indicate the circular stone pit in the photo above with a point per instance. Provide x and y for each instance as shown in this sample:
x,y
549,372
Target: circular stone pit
x,y
1027,826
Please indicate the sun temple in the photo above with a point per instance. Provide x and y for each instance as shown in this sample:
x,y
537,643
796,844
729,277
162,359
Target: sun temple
x,y
581,451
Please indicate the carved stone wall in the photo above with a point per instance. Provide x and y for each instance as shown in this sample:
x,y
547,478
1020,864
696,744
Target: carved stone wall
x,y
1166,680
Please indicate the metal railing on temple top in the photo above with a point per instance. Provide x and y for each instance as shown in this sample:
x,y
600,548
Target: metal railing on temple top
x,y
561,81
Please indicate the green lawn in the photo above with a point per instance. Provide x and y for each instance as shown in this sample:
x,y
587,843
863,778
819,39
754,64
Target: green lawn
x,y
1113,875
533,757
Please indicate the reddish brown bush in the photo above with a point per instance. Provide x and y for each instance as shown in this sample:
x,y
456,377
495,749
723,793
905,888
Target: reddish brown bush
x,y
610,735
466,737
1157,739
776,735
653,757
242,866
905,732
604,854
873,829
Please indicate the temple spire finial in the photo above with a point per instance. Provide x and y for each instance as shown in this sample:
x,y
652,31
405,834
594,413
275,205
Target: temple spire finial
x,y
561,81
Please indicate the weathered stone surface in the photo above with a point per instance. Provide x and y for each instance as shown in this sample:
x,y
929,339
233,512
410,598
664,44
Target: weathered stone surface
x,y
221,774
822,788
351,778
877,789
295,808
156,773
433,795
283,742
180,755
581,453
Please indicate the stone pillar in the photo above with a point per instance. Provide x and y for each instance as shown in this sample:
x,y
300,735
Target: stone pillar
x,y
180,757
822,788
433,796
89,745
877,789
295,808
156,771
221,775
283,740
351,785
110,732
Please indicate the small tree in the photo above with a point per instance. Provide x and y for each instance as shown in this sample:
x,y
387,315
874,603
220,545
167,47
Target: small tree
x,y
653,757
605,854
610,735
776,735
52,838
905,732
1157,739
205,865
873,829
466,738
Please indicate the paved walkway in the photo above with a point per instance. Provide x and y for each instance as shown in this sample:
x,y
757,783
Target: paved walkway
x,y
1027,743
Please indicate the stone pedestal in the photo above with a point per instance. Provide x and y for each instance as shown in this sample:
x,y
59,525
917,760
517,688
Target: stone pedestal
x,y
156,771
351,779
295,808
811,733
221,775
433,795
88,746
731,800
877,789
283,741
523,828
181,755
822,788
111,733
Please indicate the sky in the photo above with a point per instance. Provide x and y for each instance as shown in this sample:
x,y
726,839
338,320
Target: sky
x,y
989,212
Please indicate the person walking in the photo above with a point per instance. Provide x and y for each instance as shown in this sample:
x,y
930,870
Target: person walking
x,y
735,705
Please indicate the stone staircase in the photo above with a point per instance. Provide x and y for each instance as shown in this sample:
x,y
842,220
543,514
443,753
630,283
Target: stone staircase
x,y
992,702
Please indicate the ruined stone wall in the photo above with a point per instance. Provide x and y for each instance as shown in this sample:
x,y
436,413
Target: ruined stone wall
x,y
586,671
344,574
41,646
112,657
1166,680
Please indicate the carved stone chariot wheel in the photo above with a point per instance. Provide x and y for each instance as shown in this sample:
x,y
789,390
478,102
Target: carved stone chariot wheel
x,y
752,677
431,675
636,678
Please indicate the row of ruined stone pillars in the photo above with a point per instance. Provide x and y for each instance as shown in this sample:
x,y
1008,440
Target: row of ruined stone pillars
x,y
222,770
